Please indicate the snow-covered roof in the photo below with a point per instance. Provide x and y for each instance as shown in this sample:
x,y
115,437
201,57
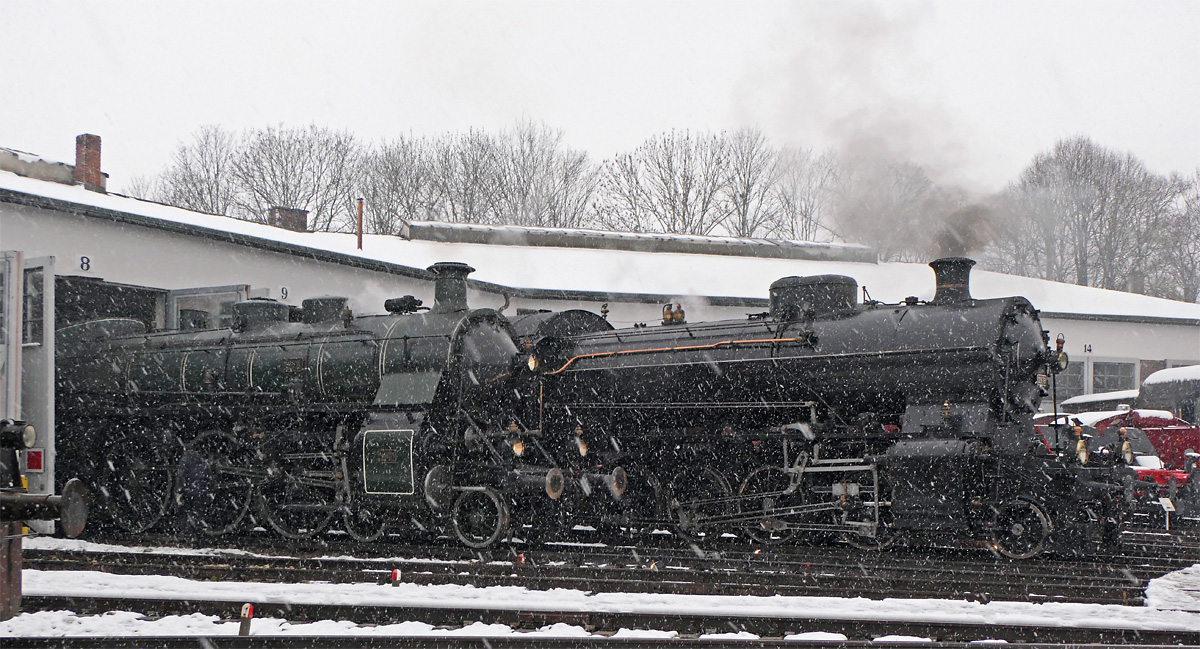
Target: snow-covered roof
x,y
1093,418
606,270
636,241
1118,395
23,163
26,157
1187,373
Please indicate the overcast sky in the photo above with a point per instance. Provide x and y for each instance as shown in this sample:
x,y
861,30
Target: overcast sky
x,y
972,90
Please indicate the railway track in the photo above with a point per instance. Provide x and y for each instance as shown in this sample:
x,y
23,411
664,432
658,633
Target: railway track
x,y
814,571
669,570
607,622
496,642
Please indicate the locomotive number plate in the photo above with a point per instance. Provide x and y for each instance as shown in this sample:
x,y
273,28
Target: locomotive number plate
x,y
388,462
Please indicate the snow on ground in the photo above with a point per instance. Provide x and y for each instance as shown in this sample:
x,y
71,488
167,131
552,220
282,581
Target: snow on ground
x,y
76,545
1173,605
1179,590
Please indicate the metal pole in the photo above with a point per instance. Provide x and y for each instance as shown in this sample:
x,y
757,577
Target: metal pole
x,y
360,204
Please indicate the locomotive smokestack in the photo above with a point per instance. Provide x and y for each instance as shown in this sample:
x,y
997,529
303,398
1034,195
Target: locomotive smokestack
x,y
450,286
953,276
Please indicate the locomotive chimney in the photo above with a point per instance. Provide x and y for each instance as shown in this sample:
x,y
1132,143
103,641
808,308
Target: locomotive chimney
x,y
450,286
953,276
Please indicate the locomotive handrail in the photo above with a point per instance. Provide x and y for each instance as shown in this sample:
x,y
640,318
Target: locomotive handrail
x,y
873,354
723,343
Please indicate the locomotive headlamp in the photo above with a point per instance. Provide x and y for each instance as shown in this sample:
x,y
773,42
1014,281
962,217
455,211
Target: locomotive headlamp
x,y
1061,361
518,448
18,434
1127,451
533,363
583,447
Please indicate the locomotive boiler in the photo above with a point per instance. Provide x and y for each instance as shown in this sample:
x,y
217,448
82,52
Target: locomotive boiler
x,y
824,415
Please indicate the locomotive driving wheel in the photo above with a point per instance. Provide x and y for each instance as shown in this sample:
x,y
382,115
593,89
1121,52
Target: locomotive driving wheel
x,y
136,476
214,483
883,539
298,497
762,492
364,523
696,495
479,517
1020,529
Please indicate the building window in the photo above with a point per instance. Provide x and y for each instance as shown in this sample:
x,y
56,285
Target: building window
x,y
1109,377
1069,383
204,308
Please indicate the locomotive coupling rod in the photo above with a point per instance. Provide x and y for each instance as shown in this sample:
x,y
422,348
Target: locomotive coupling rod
x,y
751,516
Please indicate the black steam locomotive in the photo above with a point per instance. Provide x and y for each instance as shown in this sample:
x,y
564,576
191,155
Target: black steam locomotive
x,y
864,421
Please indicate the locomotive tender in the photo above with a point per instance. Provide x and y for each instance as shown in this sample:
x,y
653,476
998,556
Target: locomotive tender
x,y
823,415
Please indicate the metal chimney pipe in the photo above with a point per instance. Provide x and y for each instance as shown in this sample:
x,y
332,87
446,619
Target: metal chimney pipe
x,y
953,277
450,286
360,203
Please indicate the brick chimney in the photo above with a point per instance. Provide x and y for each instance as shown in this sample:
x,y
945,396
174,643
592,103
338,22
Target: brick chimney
x,y
87,163
289,218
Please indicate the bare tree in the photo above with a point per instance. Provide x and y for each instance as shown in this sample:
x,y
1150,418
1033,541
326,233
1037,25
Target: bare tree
x,y
397,183
310,168
145,187
803,194
1180,253
748,198
889,205
201,176
671,183
1088,215
464,177
1030,239
538,181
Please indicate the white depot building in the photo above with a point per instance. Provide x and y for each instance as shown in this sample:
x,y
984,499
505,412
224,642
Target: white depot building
x,y
90,254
